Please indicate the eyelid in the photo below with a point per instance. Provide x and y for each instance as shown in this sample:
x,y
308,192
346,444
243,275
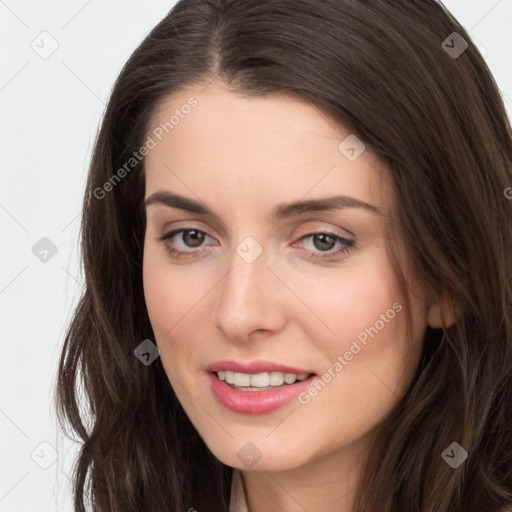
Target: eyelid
x,y
321,228
347,244
328,232
173,232
324,226
186,224
307,231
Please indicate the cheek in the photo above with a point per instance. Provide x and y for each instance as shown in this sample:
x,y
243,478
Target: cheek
x,y
161,299
169,300
362,320
350,302
170,294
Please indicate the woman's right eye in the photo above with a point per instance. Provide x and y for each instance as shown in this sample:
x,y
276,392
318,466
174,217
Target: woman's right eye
x,y
190,238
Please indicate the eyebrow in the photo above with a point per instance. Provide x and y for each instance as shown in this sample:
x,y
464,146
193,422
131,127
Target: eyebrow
x,y
280,211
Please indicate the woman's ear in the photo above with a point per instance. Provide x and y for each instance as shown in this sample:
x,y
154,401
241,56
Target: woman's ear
x,y
443,313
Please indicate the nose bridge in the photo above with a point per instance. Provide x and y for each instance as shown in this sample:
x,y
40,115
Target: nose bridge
x,y
246,298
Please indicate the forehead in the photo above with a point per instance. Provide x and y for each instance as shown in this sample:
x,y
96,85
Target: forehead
x,y
245,148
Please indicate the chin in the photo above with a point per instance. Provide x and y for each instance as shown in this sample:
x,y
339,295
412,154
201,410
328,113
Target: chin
x,y
256,457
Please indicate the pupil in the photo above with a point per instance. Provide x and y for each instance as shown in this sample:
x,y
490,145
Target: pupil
x,y
324,245
196,237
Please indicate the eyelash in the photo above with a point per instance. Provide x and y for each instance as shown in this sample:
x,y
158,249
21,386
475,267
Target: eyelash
x,y
345,249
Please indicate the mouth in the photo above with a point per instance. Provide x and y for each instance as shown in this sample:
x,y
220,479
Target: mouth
x,y
260,381
257,393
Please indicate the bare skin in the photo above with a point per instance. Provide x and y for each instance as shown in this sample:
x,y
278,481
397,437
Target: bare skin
x,y
301,302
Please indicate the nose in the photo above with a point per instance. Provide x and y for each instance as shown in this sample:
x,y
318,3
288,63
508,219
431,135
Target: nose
x,y
249,300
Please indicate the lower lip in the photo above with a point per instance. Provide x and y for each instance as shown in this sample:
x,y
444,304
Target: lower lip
x,y
256,402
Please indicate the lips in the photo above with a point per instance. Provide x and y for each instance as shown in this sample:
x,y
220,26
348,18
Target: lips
x,y
253,401
253,367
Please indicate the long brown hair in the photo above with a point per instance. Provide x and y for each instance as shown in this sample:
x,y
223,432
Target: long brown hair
x,y
386,69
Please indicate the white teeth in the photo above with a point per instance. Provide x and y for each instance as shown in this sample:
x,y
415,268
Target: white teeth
x,y
260,380
276,378
289,378
242,379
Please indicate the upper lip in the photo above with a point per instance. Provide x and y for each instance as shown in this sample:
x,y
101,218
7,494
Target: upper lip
x,y
253,367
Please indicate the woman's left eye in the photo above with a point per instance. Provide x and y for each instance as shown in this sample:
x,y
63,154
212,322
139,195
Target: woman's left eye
x,y
323,243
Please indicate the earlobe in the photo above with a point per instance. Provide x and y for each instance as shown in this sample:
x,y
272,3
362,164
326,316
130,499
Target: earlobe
x,y
443,314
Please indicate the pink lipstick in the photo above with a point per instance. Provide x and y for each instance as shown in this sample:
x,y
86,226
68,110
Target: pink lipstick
x,y
256,387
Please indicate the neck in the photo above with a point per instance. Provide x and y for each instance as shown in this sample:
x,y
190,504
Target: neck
x,y
329,482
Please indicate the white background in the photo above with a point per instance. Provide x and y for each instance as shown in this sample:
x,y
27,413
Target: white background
x,y
50,111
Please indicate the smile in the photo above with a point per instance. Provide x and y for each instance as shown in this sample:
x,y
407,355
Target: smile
x,y
259,381
257,393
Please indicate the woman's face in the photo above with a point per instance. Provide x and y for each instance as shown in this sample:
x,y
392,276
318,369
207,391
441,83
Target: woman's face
x,y
256,284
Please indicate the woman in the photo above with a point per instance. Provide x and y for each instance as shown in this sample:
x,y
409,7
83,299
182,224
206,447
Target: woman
x,y
297,247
